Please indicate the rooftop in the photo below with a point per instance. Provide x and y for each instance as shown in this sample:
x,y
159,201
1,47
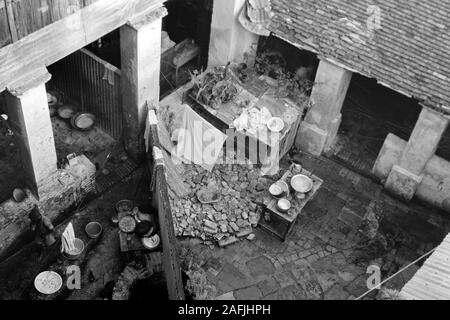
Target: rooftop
x,y
403,44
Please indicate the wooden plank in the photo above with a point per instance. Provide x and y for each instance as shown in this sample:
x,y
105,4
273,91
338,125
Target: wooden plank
x,y
11,22
30,15
5,34
170,255
61,38
60,9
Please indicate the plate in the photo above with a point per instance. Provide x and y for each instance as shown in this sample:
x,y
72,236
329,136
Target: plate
x,y
48,282
275,124
83,121
151,242
127,224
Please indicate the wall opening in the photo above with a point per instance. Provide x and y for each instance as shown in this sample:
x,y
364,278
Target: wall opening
x,y
370,112
11,176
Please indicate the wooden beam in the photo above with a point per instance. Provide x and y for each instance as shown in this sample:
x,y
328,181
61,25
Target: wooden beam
x,y
59,39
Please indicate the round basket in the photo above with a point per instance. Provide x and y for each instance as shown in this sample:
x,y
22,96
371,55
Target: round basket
x,y
48,282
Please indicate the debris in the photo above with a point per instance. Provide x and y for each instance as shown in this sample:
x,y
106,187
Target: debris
x,y
228,241
251,237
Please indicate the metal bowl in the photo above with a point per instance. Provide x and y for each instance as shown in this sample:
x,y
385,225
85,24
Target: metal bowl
x,y
276,190
283,205
93,229
301,183
83,121
66,111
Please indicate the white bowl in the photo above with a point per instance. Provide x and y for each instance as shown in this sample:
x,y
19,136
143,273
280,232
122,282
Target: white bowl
x,y
275,124
283,205
301,183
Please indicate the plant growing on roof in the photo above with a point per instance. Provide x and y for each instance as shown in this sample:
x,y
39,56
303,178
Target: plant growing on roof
x,y
272,64
214,86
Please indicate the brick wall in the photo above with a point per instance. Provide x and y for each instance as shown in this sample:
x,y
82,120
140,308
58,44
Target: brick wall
x,y
60,190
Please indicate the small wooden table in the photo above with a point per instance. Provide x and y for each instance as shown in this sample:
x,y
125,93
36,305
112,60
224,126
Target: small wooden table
x,y
280,223
130,242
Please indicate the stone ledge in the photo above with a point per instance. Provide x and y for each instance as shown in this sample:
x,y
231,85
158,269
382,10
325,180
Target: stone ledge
x,y
402,183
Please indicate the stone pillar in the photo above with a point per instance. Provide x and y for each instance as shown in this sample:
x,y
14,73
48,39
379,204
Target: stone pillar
x,y
318,132
406,176
29,118
229,40
140,46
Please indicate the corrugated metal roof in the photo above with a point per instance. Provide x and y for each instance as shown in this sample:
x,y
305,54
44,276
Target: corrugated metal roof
x,y
404,44
432,281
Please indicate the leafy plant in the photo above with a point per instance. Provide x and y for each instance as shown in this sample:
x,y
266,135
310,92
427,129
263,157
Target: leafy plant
x,y
273,64
197,284
214,87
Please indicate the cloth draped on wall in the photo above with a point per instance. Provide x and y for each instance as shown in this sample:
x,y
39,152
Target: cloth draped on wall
x,y
198,140
255,16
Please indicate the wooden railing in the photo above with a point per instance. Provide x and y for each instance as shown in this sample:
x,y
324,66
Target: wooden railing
x,y
158,186
19,18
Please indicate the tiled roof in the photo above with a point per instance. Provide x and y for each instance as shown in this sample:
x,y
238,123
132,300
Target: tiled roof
x,y
409,53
431,282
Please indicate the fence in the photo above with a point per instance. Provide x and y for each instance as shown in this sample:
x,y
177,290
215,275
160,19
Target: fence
x,y
160,195
94,85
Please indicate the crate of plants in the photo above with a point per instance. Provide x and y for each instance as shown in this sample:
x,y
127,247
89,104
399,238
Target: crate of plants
x,y
213,87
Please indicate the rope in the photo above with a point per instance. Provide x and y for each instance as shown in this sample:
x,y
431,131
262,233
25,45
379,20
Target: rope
x,y
395,274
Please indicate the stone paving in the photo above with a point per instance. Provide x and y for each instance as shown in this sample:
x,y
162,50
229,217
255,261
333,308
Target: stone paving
x,y
350,225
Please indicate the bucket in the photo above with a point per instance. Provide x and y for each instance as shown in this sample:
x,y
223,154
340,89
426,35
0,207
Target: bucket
x,y
76,253
93,229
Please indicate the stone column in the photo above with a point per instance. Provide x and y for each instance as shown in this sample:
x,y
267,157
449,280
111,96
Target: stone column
x,y
318,132
29,118
140,46
229,40
406,176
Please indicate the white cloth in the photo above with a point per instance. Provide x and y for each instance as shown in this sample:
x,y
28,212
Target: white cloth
x,y
68,239
198,141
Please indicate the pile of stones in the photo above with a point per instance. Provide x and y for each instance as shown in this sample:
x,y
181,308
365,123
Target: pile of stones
x,y
233,216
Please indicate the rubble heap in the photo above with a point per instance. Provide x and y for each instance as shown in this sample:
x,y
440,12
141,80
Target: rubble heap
x,y
233,216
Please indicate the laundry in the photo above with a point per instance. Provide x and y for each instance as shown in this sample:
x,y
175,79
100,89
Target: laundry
x,y
198,141
68,239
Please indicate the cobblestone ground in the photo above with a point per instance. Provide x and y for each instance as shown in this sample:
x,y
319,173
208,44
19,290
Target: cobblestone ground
x,y
350,225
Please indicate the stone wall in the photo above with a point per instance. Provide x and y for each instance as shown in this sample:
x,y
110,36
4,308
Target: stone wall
x,y
60,190
435,185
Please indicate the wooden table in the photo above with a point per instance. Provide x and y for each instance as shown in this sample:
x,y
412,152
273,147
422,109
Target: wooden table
x,y
260,93
130,242
280,223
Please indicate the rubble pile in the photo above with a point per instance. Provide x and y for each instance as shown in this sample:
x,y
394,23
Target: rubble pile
x,y
232,216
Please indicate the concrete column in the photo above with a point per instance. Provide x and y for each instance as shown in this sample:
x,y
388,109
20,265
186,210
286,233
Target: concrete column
x,y
29,118
406,176
140,46
318,132
229,40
